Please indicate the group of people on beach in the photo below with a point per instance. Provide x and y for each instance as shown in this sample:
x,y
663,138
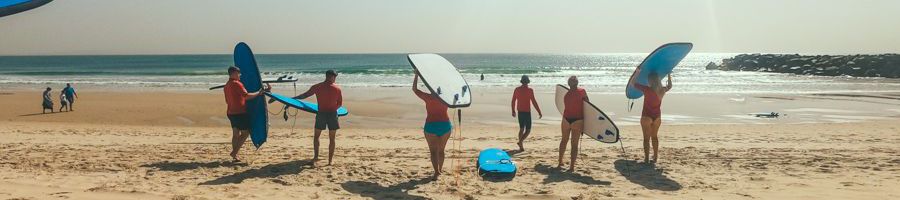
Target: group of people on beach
x,y
66,99
438,127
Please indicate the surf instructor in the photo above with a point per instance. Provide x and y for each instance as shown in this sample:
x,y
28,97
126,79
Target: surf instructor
x,y
651,114
573,121
437,127
329,98
236,97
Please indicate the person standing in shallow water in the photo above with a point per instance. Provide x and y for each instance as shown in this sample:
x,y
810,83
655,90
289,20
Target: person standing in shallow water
x,y
573,121
651,114
522,99
236,97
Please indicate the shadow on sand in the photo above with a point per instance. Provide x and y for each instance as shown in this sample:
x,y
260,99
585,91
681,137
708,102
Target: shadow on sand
x,y
268,171
376,191
559,175
182,166
36,114
646,175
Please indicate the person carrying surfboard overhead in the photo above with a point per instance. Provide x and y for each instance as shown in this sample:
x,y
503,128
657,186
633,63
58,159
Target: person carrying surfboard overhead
x,y
236,97
522,99
651,113
437,126
329,98
573,120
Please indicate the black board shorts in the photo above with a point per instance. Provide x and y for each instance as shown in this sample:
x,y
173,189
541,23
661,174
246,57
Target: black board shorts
x,y
525,120
240,121
327,120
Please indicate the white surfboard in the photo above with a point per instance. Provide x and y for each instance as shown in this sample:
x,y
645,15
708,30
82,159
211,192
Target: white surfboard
x,y
442,79
596,124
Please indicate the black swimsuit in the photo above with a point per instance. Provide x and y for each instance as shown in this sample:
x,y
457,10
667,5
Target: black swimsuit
x,y
572,120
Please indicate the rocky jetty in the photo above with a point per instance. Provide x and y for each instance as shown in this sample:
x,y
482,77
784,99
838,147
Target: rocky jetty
x,y
881,65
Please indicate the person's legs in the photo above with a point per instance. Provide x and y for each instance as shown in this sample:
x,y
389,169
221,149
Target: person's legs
x,y
441,146
575,135
646,127
432,141
654,139
524,128
564,128
239,137
331,135
316,134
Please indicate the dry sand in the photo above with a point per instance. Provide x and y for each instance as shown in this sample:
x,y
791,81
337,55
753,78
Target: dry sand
x,y
173,145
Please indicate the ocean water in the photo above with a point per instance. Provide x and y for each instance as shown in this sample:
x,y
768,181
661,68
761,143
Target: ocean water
x,y
603,73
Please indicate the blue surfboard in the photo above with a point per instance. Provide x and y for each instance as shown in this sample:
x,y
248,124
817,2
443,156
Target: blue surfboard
x,y
256,107
661,61
303,105
9,7
495,163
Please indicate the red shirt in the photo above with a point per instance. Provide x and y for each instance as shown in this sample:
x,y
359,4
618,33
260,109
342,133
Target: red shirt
x,y
523,97
652,102
574,101
235,97
436,110
328,96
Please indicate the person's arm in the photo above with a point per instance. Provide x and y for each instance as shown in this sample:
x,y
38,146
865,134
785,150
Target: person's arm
x,y
512,104
584,92
308,93
74,93
669,83
340,99
536,107
265,88
633,80
415,87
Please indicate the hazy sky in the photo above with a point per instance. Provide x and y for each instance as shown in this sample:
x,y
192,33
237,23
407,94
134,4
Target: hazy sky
x,y
457,26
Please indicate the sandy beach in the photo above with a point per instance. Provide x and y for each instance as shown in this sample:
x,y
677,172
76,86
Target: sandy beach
x,y
173,145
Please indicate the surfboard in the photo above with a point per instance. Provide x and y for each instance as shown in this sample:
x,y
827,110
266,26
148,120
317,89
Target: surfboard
x,y
256,107
9,7
597,124
662,61
282,79
496,163
442,78
303,105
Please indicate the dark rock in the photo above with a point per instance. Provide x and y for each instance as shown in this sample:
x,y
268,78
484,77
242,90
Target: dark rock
x,y
880,65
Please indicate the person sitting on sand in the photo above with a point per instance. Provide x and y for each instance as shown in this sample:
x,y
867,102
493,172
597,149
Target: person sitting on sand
x,y
573,120
651,113
236,97
437,126
522,99
69,91
329,98
47,102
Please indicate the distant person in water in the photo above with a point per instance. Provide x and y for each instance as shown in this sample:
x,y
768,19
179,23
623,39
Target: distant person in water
x,y
47,101
69,91
651,115
482,76
437,126
236,97
573,121
522,99
329,98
